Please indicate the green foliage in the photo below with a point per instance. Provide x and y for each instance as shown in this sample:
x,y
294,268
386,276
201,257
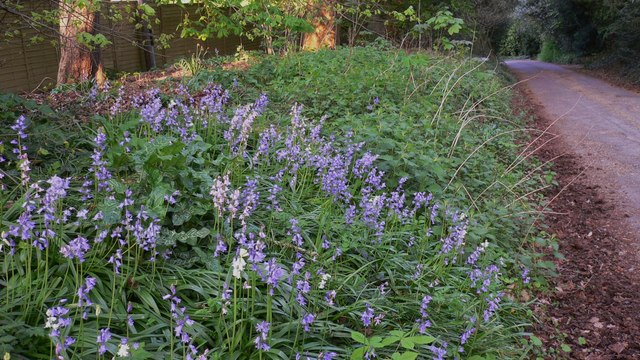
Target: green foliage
x,y
93,41
522,38
445,21
550,52
277,22
440,122
377,343
579,28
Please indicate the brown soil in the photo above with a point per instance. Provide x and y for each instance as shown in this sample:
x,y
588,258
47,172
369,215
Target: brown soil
x,y
166,80
594,305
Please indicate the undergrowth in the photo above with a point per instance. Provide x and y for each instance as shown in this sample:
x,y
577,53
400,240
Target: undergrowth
x,y
348,204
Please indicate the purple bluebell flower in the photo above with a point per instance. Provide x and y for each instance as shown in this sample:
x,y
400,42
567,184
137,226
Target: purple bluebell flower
x,y
466,335
212,103
473,258
56,191
371,210
256,251
268,139
262,329
525,276
19,147
481,279
306,321
329,297
295,233
273,197
226,292
396,200
434,213
250,198
367,315
25,224
439,352
182,320
336,254
423,321
99,166
325,242
77,248
303,288
374,181
272,274
152,112
117,105
219,192
116,260
493,302
171,199
130,321
57,320
329,355
83,291
454,241
298,265
221,247
103,337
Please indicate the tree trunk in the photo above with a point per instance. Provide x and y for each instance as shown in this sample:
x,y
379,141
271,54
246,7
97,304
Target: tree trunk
x,y
97,65
323,17
147,41
77,61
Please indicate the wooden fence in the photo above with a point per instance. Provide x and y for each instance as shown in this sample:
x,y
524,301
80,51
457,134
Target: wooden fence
x,y
27,65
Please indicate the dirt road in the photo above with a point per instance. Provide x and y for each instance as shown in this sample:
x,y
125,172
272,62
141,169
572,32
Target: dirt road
x,y
594,142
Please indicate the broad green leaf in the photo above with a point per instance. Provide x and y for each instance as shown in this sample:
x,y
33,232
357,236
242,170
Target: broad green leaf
x,y
407,355
359,337
422,340
358,354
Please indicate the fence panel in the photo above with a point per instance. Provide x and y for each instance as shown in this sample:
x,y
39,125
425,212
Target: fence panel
x,y
27,65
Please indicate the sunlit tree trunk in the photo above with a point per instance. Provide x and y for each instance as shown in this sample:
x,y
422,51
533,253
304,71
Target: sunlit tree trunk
x,y
77,61
322,15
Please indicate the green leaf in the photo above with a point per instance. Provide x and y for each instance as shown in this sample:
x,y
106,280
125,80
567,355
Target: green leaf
x,y
376,341
110,211
389,340
358,354
170,237
535,340
454,29
422,340
566,348
359,337
407,355
147,9
407,343
582,341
